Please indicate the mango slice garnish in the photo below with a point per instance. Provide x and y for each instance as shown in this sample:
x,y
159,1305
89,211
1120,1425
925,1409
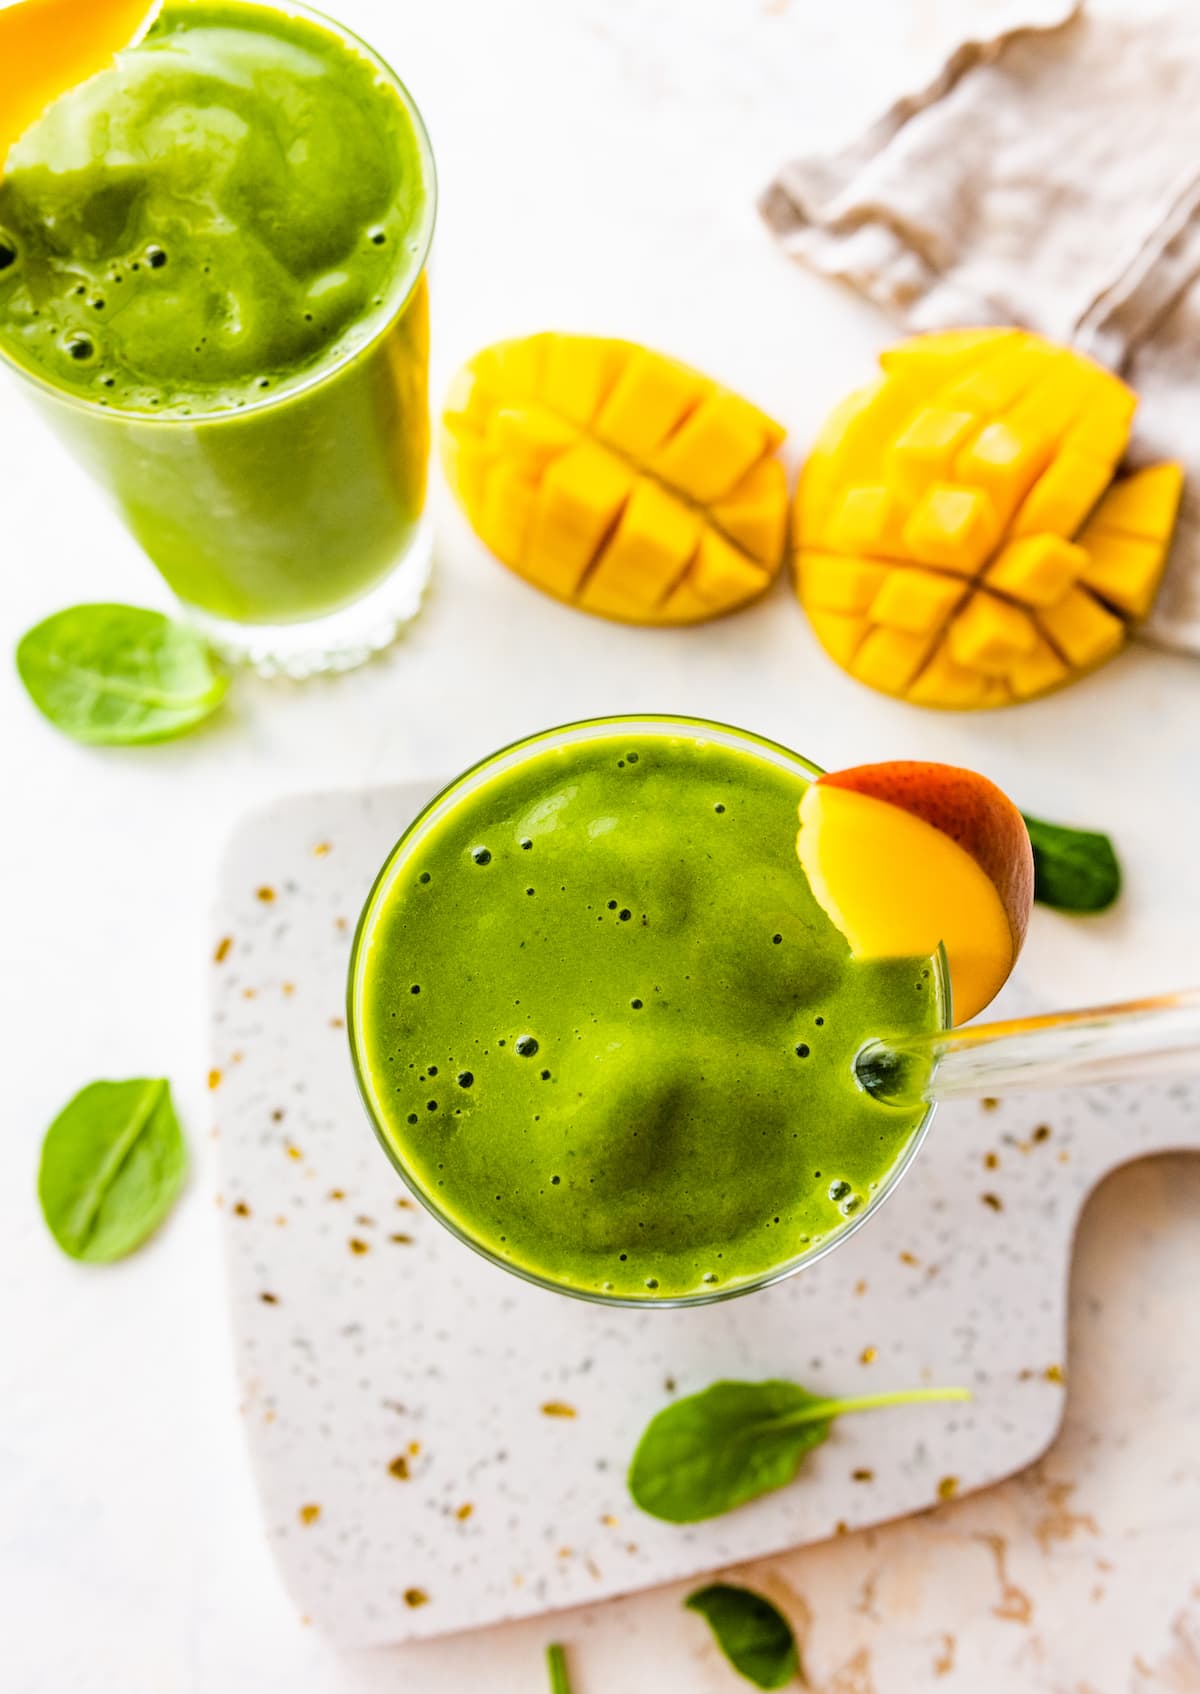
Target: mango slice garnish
x,y
959,538
49,46
615,478
908,855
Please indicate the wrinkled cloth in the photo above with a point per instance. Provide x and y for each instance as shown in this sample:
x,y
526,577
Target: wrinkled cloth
x,y
1049,175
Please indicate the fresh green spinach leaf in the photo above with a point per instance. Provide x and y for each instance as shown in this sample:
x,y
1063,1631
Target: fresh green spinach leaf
x,y
119,675
556,1664
1075,870
113,1162
715,1450
753,1634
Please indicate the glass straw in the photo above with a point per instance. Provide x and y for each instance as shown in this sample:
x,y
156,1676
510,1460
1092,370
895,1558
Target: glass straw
x,y
1152,1038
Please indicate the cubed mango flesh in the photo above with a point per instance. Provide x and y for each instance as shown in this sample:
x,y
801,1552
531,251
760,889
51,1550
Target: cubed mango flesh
x,y
958,538
616,478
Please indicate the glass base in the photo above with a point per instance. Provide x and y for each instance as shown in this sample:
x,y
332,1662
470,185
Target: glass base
x,y
338,642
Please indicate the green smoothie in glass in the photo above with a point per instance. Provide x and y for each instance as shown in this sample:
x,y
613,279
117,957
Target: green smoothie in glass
x,y
605,1031
212,266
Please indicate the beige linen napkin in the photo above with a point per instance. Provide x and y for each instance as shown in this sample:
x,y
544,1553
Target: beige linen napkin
x,y
1049,175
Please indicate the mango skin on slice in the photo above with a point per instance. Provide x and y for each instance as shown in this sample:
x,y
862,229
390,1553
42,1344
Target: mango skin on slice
x,y
615,478
49,46
959,536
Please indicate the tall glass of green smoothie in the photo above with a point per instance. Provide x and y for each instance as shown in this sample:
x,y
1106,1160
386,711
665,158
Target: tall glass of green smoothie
x,y
605,1031
212,273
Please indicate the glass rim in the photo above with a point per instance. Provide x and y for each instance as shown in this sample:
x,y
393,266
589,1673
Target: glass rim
x,y
512,754
322,372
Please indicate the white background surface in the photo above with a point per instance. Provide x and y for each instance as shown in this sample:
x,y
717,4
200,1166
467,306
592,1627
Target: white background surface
x,y
599,161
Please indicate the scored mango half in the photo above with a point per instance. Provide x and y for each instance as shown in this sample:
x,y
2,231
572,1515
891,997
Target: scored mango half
x,y
615,478
959,539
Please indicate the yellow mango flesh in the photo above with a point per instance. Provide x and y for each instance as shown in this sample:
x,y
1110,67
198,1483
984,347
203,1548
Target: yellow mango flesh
x,y
615,478
958,537
49,46
934,891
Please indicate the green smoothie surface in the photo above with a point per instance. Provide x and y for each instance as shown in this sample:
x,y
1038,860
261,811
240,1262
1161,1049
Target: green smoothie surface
x,y
607,1031
239,203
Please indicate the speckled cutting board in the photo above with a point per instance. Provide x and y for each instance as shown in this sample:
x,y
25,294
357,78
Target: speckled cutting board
x,y
439,1445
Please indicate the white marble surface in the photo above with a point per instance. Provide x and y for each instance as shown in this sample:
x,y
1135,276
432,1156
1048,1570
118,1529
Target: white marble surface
x,y
599,160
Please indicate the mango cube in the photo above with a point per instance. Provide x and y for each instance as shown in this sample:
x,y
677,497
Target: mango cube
x,y
916,600
953,527
1063,495
647,554
1037,570
616,478
924,449
835,582
839,633
1003,461
889,659
580,496
868,519
714,447
1124,570
1144,504
989,634
1081,630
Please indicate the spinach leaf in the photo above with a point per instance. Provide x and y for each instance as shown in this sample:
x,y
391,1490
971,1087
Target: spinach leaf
x,y
715,1450
118,675
753,1634
113,1162
1075,870
556,1664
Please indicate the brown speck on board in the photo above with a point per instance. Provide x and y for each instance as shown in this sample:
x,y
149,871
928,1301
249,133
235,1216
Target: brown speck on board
x,y
868,1355
565,1553
336,1194
400,1239
322,848
414,1449
403,1205
989,1103
214,1079
909,1259
357,1245
341,925
860,1287
862,1475
221,952
991,1161
1026,1375
399,1468
994,1201
558,1409
631,1546
1054,1373
269,1299
841,1527
415,1597
669,1385
281,1222
265,894
464,1511
241,1209
292,1151
249,993
365,1221
289,988
947,1488
309,1514
944,1663
609,1521
277,1115
1042,1132
337,1023
1064,1158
